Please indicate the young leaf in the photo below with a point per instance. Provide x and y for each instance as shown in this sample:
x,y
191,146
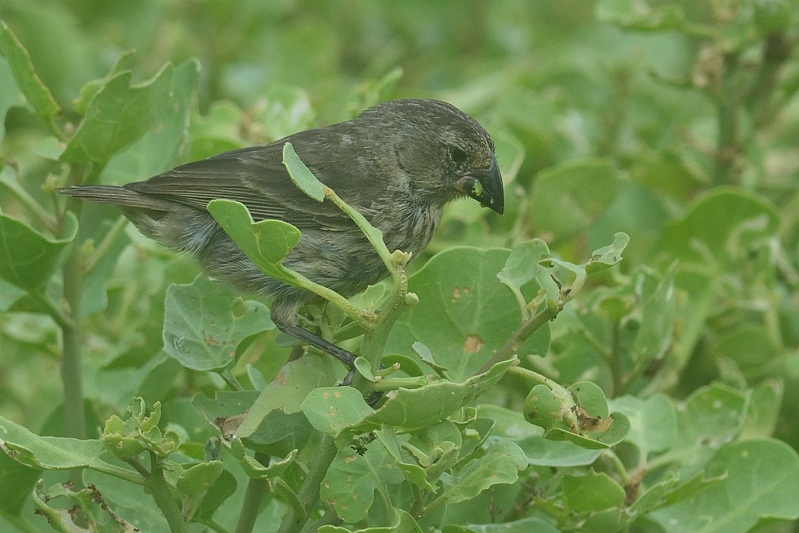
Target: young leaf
x,y
302,177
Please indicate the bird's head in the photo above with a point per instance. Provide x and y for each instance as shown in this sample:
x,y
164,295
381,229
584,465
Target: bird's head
x,y
445,153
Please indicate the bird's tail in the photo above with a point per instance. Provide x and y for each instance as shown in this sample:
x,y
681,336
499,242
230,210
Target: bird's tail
x,y
118,196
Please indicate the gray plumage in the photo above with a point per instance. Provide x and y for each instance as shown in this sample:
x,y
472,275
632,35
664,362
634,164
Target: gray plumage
x,y
398,163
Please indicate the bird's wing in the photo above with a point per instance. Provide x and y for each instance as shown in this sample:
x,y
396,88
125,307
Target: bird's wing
x,y
256,177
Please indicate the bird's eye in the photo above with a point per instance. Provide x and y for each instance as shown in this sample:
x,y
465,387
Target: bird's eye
x,y
457,155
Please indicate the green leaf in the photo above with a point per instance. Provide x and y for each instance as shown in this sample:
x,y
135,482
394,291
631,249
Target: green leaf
x,y
465,313
204,323
10,94
165,142
761,482
28,258
19,61
289,390
522,265
49,453
593,491
639,15
609,255
570,197
352,479
501,464
16,483
711,416
411,409
267,242
120,113
198,478
653,422
332,409
658,316
720,230
302,177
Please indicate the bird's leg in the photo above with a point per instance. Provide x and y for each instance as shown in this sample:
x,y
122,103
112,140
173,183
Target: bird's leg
x,y
348,358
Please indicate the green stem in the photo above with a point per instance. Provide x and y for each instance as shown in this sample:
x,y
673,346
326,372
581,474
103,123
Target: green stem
x,y
105,245
32,205
728,147
253,497
159,488
527,328
309,491
231,380
72,357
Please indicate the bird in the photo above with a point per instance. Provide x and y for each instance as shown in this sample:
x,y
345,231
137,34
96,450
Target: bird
x,y
398,163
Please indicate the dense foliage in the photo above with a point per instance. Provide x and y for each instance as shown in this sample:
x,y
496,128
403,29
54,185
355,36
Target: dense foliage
x,y
616,353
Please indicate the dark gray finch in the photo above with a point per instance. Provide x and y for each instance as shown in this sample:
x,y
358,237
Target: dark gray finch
x,y
398,163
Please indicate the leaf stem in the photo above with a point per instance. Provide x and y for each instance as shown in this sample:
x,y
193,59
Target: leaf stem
x,y
309,491
159,488
105,245
253,496
524,331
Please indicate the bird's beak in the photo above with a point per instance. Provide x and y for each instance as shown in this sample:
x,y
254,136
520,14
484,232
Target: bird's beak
x,y
485,186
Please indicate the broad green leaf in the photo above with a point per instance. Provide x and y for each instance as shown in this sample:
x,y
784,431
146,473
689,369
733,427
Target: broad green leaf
x,y
711,416
267,242
761,482
501,464
219,130
593,491
465,313
302,177
28,258
49,453
352,479
568,198
19,62
720,230
764,408
332,409
165,142
412,471
9,294
204,324
120,113
125,62
289,390
522,265
653,422
412,409
16,483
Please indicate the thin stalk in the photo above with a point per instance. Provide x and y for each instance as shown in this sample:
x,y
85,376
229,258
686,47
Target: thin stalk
x,y
527,328
309,491
159,488
32,205
105,245
253,497
728,121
